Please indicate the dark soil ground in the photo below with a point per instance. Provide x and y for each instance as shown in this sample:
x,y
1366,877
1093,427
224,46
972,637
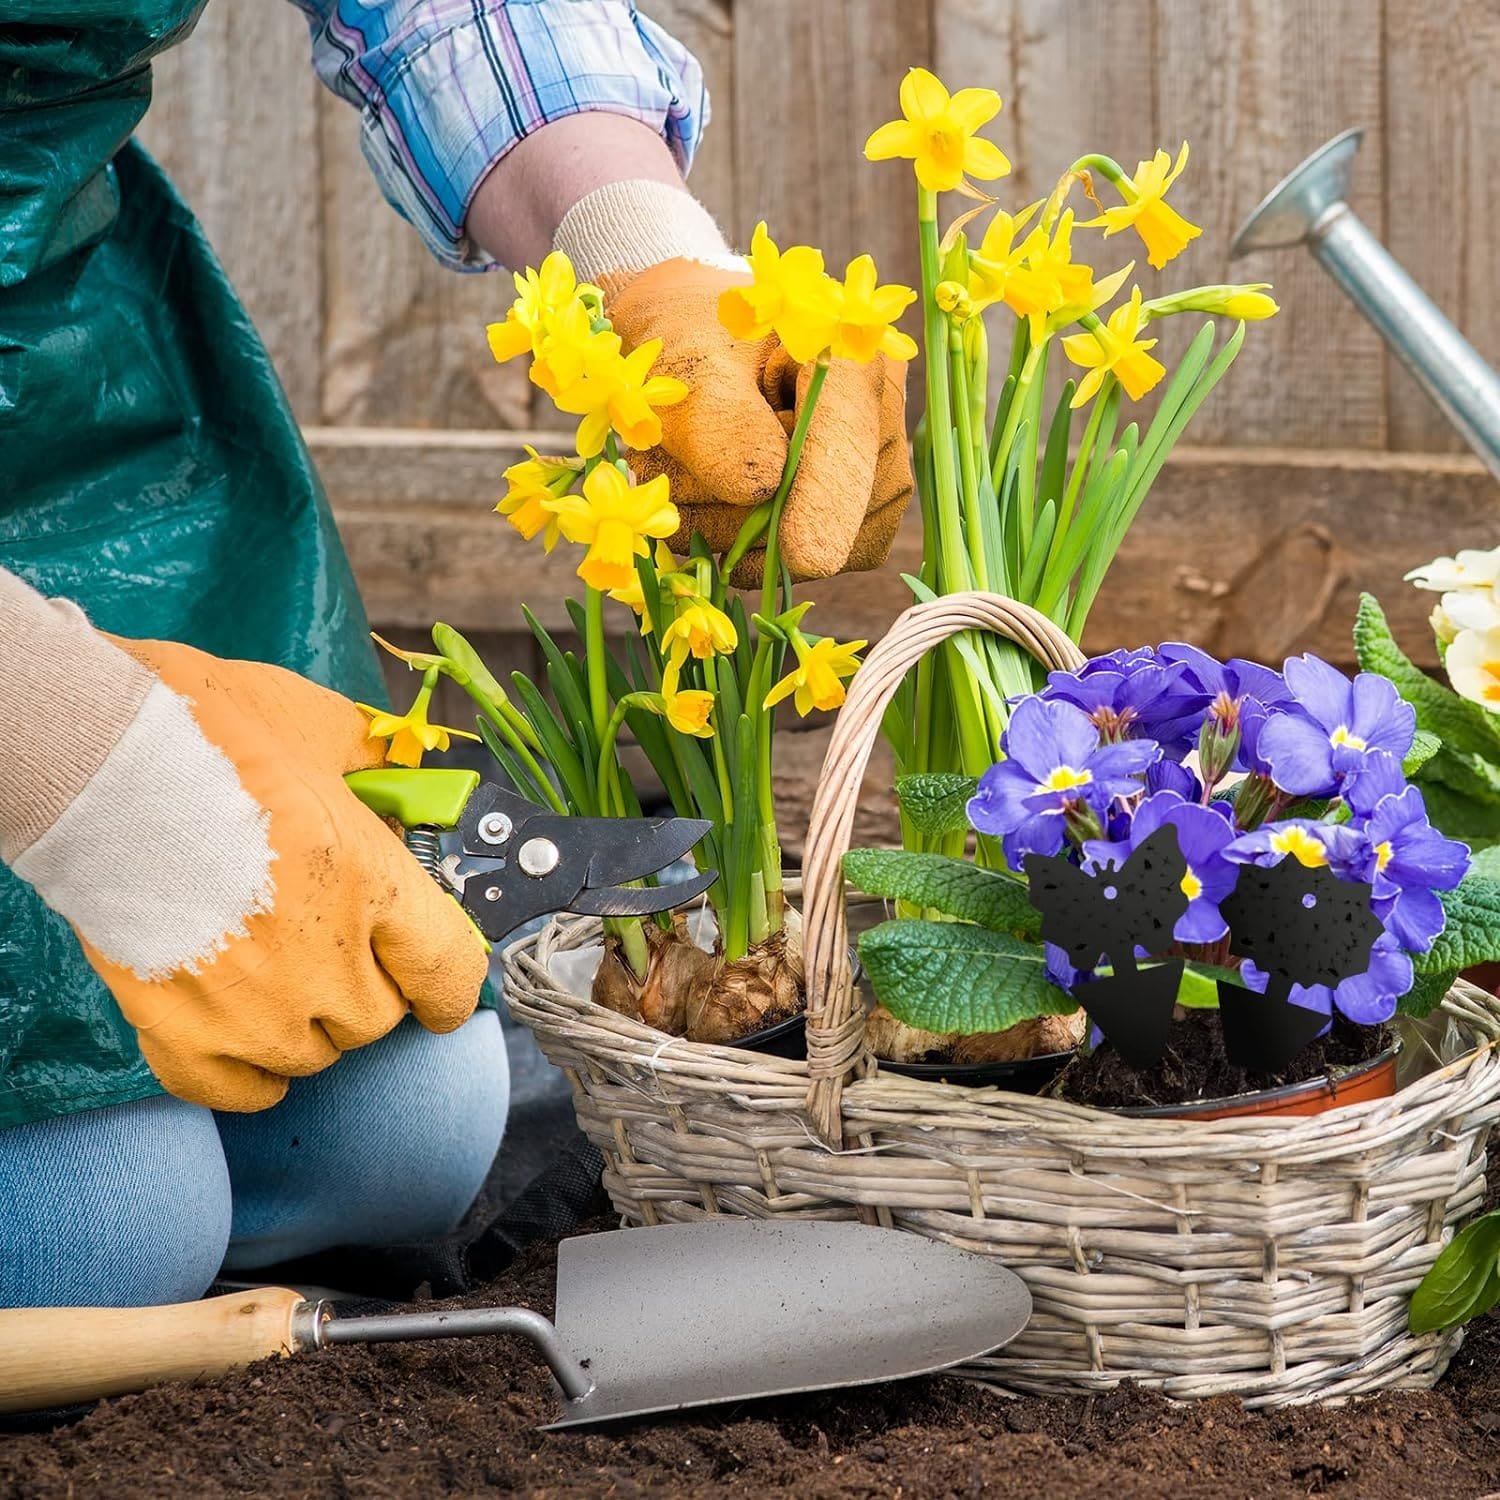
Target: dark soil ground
x,y
459,1418
1194,1066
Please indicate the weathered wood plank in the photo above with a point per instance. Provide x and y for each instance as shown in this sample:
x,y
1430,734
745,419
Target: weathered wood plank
x,y
812,81
403,336
1254,87
1444,83
234,120
1245,551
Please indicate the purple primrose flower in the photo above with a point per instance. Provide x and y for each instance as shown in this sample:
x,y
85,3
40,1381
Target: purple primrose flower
x,y
1340,724
1254,692
1054,762
1367,999
1123,692
1203,833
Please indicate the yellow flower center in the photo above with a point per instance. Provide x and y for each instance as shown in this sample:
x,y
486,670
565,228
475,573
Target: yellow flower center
x,y
1191,886
1065,778
1491,689
1301,845
1383,853
1344,736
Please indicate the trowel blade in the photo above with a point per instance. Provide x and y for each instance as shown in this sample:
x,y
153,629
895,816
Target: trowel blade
x,y
682,1315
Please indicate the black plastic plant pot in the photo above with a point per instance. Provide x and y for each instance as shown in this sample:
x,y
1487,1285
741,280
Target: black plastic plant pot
x,y
1022,1075
786,1038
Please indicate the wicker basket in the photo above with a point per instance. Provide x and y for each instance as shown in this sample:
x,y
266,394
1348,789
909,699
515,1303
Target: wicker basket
x,y
1269,1259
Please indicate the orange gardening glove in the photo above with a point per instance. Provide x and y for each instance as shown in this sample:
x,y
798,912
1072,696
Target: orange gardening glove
x,y
662,265
252,918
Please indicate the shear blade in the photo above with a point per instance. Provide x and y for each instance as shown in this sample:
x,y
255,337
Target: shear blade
x,y
640,901
622,849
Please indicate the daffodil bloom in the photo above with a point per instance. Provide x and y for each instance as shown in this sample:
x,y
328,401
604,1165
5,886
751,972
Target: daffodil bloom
x,y
1163,231
998,257
622,396
702,629
866,313
1473,665
818,678
790,295
1113,348
687,710
538,294
411,734
529,485
571,351
614,519
634,596
418,661
937,133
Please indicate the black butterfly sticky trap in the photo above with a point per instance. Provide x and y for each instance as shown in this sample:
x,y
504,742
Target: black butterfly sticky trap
x,y
1109,913
1301,925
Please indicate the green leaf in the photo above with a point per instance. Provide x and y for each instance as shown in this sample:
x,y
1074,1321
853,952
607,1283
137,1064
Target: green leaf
x,y
1463,727
1464,1280
949,976
952,886
1470,777
936,802
1423,748
1426,993
1456,815
1471,934
1486,863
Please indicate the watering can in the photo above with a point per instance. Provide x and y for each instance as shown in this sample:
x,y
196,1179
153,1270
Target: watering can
x,y
1308,207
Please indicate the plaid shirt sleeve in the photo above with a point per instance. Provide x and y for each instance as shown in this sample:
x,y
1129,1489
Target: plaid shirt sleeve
x,y
446,87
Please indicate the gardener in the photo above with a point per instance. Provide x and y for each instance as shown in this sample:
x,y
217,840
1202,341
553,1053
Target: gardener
x,y
198,918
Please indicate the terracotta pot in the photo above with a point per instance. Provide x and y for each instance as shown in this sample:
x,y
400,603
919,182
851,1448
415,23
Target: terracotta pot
x,y
1375,1079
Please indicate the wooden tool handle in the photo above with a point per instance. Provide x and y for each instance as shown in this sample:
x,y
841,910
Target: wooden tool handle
x,y
55,1356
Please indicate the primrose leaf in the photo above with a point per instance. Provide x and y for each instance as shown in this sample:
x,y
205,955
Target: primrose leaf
x,y
936,802
1464,1280
1423,747
1426,993
952,886
1471,935
948,976
1463,727
1452,813
1486,863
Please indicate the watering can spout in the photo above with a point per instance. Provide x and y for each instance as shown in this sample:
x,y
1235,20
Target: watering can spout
x,y
1309,206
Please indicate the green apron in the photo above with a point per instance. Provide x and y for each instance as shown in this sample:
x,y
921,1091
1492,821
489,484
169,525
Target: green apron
x,y
150,468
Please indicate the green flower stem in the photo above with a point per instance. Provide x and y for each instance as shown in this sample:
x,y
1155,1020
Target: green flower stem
x,y
1024,383
772,575
1107,166
594,652
721,761
611,734
770,843
751,531
523,753
1081,464
958,374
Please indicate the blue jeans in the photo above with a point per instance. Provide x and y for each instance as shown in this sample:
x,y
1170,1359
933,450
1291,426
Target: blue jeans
x,y
143,1203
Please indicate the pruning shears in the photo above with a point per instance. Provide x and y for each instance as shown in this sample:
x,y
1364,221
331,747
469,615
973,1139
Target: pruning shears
x,y
528,860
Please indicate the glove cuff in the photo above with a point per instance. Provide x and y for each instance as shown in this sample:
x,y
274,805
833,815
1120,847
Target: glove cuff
x,y
617,231
69,694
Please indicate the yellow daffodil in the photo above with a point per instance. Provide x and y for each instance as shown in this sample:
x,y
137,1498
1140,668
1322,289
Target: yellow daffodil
x,y
687,710
818,678
865,315
570,351
1163,231
790,295
997,268
411,734
538,294
702,629
622,395
614,519
529,485
1114,349
1473,665
937,133
634,595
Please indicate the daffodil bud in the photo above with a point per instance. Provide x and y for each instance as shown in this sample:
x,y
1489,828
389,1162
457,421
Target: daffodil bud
x,y
1247,302
954,300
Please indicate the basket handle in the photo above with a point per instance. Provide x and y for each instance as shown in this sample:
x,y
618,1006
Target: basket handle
x,y
835,1020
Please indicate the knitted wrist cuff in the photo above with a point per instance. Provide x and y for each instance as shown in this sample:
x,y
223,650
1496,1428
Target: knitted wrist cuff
x,y
622,228
66,697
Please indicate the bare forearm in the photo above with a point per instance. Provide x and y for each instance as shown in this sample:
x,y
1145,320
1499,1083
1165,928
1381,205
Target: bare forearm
x,y
517,208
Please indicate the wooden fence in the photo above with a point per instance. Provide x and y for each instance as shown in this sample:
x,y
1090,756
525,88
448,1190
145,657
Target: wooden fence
x,y
1317,469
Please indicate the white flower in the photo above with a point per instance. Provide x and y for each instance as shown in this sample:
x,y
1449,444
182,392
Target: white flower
x,y
1473,663
1468,570
1468,609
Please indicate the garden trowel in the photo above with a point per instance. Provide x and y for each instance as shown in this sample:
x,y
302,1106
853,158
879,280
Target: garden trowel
x,y
648,1320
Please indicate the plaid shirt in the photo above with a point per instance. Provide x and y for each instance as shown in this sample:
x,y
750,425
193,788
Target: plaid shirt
x,y
446,87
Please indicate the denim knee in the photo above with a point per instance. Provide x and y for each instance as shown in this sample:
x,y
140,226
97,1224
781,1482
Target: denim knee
x,y
119,1207
389,1146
